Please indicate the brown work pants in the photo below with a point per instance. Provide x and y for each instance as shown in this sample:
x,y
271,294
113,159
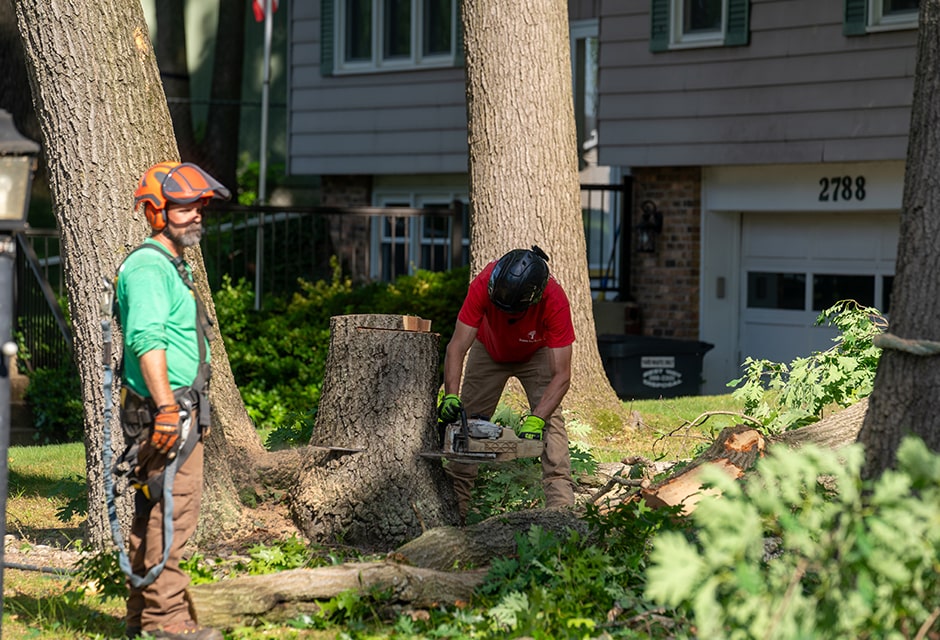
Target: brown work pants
x,y
164,601
482,387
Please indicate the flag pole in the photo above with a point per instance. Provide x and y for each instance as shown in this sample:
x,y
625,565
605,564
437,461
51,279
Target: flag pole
x,y
263,159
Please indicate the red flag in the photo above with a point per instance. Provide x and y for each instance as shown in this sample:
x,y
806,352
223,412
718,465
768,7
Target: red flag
x,y
258,7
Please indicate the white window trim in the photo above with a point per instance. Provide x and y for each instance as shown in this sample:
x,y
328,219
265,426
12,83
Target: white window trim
x,y
417,60
877,21
680,40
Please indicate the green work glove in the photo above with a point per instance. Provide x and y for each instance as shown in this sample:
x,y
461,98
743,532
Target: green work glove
x,y
531,428
449,408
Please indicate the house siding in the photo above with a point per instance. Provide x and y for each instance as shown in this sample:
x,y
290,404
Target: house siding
x,y
384,123
801,91
375,123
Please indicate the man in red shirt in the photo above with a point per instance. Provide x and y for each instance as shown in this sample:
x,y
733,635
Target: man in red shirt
x,y
514,322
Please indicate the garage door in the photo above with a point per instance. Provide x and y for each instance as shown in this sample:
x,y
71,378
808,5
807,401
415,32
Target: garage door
x,y
796,265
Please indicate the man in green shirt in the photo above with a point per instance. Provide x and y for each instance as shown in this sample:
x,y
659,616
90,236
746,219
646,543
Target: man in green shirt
x,y
164,406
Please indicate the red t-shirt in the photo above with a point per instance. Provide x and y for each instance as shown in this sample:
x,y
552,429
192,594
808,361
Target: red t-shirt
x,y
515,338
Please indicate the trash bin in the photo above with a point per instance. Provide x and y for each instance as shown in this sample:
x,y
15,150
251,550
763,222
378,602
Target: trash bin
x,y
644,367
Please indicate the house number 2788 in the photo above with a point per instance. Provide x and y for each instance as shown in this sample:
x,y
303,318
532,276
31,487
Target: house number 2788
x,y
841,188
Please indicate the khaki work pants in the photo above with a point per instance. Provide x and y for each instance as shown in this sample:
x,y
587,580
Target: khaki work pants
x,y
165,601
482,386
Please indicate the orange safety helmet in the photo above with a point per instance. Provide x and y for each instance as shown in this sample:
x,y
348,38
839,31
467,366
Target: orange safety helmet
x,y
178,183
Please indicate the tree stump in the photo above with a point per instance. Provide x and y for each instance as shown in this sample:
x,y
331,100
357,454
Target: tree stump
x,y
378,396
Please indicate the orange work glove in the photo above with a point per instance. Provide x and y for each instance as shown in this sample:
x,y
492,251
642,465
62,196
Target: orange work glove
x,y
166,428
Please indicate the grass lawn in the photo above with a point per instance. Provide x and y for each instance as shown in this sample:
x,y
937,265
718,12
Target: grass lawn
x,y
45,482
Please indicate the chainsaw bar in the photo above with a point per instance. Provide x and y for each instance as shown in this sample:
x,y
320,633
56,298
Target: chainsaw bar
x,y
466,458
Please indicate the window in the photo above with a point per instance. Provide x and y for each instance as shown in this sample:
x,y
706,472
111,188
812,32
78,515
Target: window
x,y
865,16
400,245
678,24
361,36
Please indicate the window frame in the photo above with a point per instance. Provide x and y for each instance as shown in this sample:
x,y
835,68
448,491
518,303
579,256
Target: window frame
x,y
334,50
861,17
414,240
666,30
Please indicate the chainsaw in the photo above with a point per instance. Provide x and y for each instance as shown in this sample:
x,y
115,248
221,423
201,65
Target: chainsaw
x,y
476,440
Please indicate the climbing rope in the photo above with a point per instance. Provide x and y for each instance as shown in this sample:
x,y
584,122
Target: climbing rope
x,y
915,347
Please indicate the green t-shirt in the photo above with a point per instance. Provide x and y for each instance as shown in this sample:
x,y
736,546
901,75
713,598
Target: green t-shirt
x,y
157,311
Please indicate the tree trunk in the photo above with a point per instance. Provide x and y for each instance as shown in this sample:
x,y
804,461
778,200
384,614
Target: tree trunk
x,y
279,597
524,186
904,399
378,396
104,120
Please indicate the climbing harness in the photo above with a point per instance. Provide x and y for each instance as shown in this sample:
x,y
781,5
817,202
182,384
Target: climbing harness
x,y
152,489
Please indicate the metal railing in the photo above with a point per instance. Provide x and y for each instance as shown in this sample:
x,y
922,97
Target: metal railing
x,y
44,333
273,248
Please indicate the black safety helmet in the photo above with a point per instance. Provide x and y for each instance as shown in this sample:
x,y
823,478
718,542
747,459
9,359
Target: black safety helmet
x,y
518,279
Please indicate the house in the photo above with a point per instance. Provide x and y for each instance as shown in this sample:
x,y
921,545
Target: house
x,y
377,109
770,135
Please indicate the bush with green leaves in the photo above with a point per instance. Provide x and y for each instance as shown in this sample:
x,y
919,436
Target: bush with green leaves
x,y
278,354
805,549
55,399
784,397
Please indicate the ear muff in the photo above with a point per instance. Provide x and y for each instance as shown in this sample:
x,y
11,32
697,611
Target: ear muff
x,y
156,217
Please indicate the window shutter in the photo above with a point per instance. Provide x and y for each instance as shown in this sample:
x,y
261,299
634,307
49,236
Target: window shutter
x,y
739,27
659,25
856,18
326,37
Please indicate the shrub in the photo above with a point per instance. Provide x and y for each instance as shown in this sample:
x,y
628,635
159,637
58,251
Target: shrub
x,y
278,354
55,398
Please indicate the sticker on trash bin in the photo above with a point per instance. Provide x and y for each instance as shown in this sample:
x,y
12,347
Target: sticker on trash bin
x,y
660,372
658,362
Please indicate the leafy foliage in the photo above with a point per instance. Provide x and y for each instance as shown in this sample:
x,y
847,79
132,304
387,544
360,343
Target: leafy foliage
x,y
278,355
805,549
55,398
784,397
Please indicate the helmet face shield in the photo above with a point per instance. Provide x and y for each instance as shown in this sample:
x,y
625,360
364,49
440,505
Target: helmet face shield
x,y
518,281
186,183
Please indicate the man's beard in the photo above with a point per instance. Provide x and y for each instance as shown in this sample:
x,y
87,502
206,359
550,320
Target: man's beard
x,y
188,237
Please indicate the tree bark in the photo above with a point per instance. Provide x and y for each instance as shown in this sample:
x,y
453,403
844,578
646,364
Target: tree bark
x,y
524,185
104,120
418,573
378,396
904,399
282,596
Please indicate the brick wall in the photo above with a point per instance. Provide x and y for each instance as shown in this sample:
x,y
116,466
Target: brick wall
x,y
666,282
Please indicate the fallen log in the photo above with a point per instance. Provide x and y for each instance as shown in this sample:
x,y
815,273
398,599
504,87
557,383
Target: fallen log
x,y
277,597
833,432
444,548
734,451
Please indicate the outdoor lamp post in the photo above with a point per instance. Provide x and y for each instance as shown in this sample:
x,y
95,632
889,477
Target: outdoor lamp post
x,y
17,163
